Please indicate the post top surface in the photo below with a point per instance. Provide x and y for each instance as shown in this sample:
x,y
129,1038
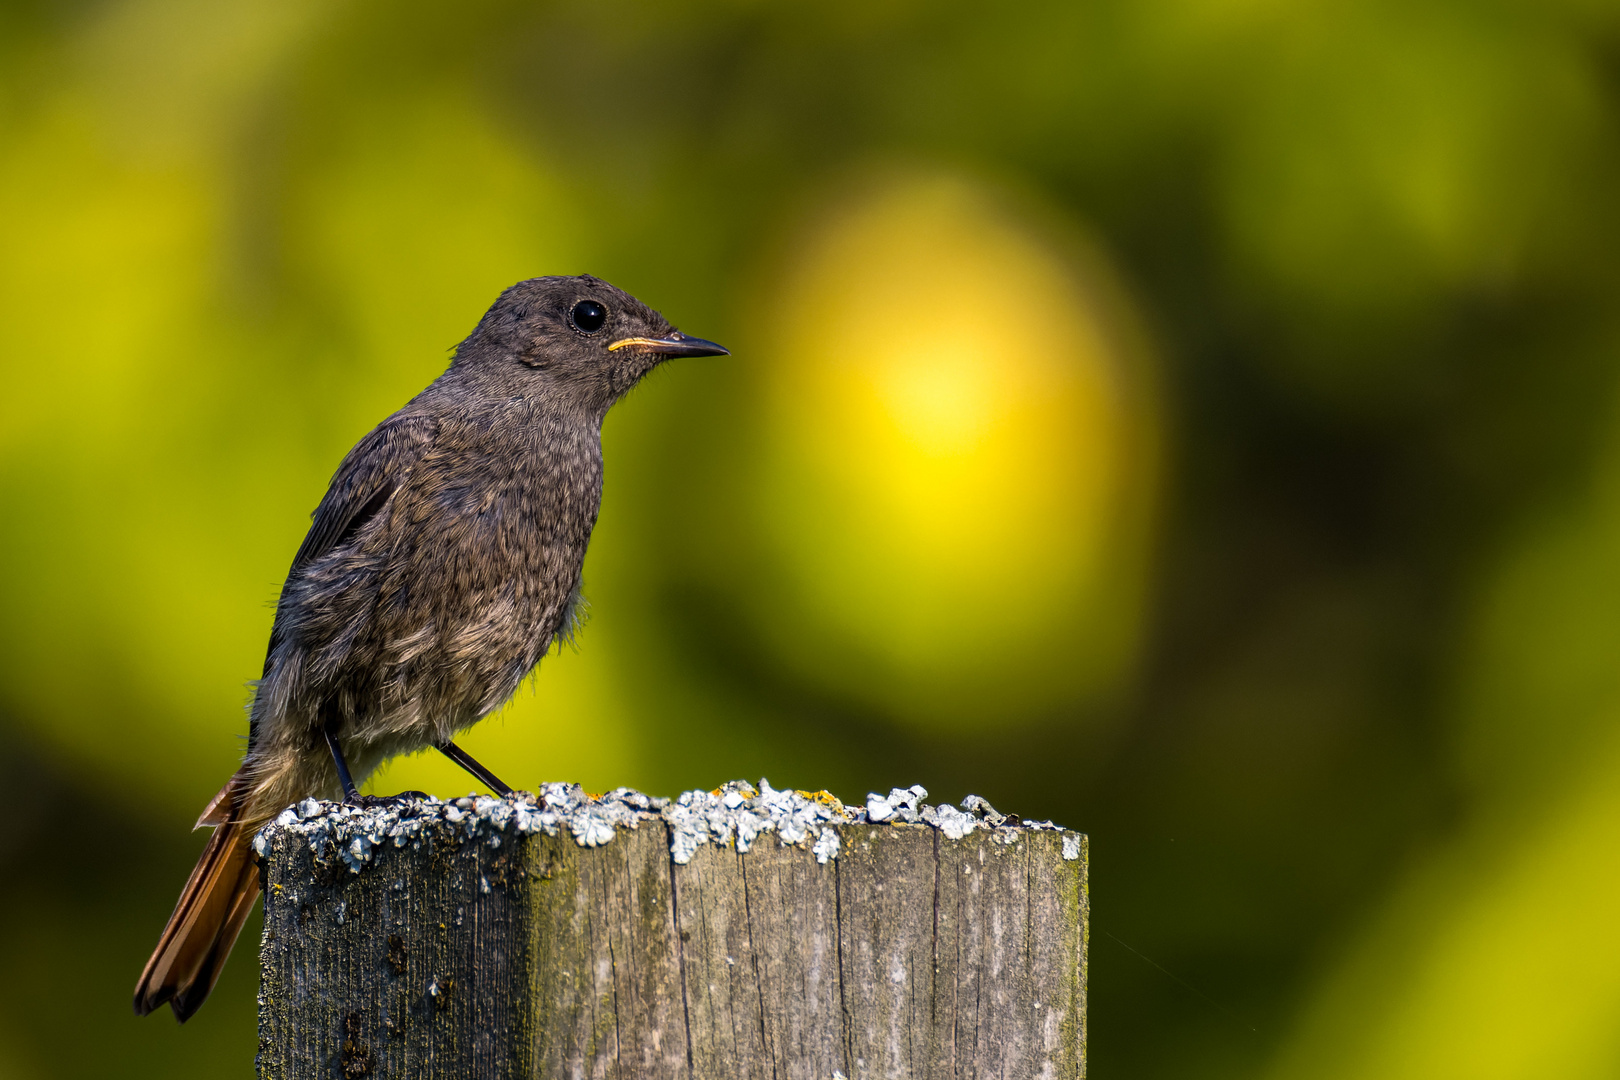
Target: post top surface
x,y
736,813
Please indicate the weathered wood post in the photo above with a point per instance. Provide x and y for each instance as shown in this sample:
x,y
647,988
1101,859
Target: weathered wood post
x,y
726,935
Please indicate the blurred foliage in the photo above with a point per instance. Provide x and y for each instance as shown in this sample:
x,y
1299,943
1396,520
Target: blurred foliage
x,y
1192,420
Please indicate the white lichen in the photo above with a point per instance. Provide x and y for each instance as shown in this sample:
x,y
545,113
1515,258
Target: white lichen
x,y
901,804
827,845
950,821
736,814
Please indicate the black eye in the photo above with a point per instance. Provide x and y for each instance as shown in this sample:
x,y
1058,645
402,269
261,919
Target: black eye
x,y
588,316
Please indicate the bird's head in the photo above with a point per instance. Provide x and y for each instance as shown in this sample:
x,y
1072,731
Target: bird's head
x,y
585,340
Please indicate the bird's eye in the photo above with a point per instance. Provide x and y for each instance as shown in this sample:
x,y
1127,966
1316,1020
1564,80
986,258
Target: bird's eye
x,y
588,316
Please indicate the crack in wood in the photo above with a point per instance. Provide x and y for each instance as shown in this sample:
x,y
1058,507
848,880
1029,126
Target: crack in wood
x,y
680,954
846,1034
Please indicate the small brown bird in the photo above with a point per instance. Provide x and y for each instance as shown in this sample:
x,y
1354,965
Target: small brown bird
x,y
441,565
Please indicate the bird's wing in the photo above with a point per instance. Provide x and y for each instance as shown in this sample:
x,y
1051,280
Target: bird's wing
x,y
377,467
362,485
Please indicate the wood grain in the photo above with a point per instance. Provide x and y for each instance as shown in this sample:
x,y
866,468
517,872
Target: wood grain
x,y
908,955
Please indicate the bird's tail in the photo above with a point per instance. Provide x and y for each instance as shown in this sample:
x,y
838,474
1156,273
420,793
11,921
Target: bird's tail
x,y
212,908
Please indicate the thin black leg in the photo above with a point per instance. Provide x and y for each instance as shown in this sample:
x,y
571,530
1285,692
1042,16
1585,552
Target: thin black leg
x,y
466,761
350,792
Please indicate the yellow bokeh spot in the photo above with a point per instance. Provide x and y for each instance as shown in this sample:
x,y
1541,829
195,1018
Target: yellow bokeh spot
x,y
957,459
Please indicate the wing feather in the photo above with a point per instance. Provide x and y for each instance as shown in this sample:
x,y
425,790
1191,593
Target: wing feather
x,y
379,465
364,482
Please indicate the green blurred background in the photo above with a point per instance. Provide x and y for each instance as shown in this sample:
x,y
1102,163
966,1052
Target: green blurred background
x,y
1191,420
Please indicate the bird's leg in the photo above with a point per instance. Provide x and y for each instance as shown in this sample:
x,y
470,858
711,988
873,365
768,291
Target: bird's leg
x,y
466,761
351,794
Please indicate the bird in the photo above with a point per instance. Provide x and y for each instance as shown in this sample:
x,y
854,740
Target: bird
x,y
440,566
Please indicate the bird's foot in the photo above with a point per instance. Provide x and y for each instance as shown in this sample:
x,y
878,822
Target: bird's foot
x,y
368,802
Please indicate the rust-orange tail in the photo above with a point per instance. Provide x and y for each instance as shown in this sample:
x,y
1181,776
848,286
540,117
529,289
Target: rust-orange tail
x,y
212,908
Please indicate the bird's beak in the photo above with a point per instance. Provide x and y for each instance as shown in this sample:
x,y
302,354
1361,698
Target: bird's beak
x,y
677,344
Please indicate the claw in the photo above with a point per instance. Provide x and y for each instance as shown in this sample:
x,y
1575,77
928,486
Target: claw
x,y
370,801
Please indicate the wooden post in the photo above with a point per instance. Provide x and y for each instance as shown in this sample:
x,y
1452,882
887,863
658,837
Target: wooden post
x,y
728,935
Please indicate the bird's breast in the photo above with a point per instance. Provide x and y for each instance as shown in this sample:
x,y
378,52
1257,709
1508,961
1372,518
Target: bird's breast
x,y
499,530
